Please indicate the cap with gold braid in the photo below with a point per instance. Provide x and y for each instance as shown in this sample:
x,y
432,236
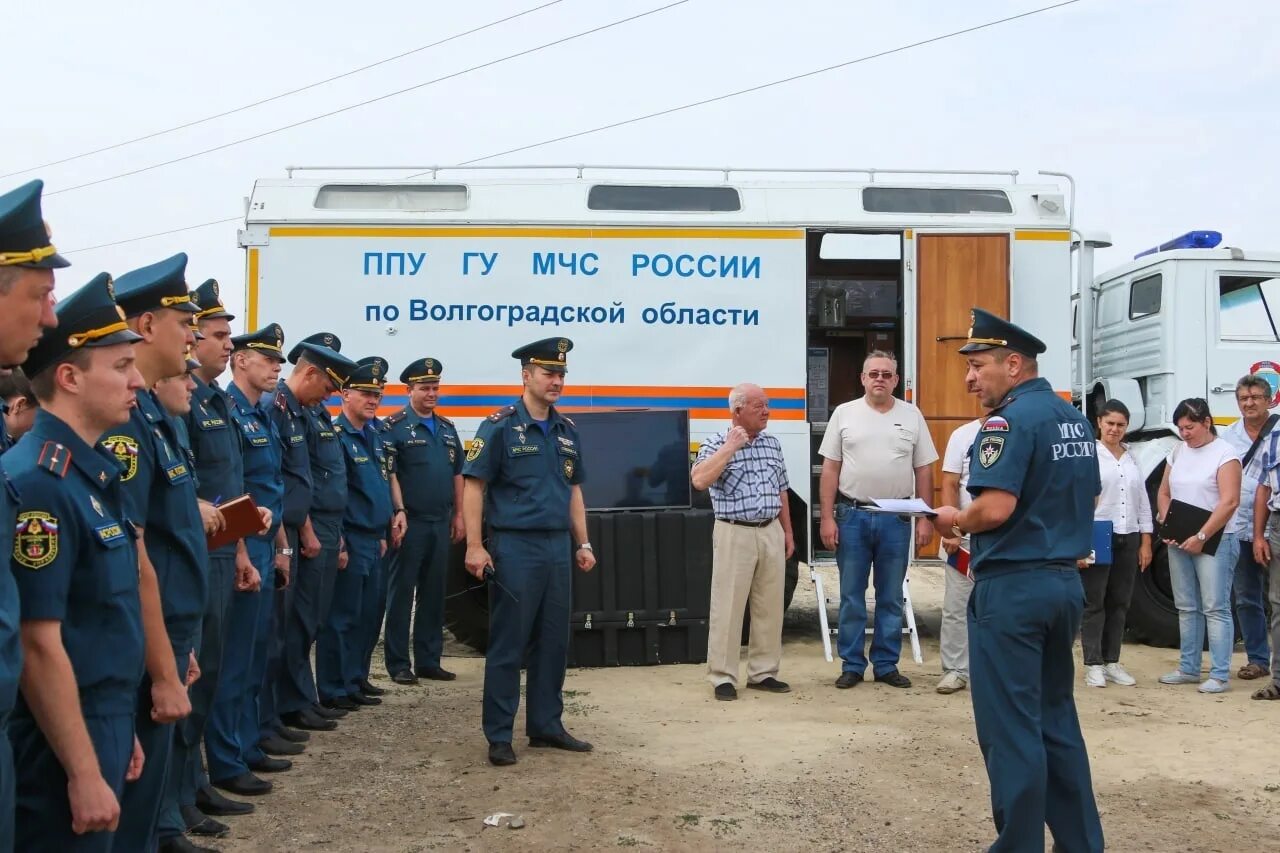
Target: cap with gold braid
x,y
987,331
322,339
337,367
548,353
159,285
209,300
89,317
370,374
422,370
24,235
269,340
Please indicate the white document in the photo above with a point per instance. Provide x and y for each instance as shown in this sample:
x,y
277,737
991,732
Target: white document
x,y
902,506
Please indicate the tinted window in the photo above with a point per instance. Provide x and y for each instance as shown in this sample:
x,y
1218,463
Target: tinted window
x,y
392,197
1247,306
1144,297
623,197
934,200
636,459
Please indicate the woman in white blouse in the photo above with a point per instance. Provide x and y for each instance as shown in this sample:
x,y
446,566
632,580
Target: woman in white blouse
x,y
1108,588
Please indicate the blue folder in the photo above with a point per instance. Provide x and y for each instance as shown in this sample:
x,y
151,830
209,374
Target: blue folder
x,y
1102,542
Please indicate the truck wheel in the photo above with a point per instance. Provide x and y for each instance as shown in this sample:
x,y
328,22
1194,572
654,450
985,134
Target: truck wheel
x,y
1153,618
466,610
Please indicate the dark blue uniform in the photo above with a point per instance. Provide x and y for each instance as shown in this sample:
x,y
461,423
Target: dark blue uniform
x,y
529,469
1025,611
426,456
10,655
341,644
232,737
75,561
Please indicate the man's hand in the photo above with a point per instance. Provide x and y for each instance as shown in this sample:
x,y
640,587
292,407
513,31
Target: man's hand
x,y
193,670
457,530
924,531
94,806
477,558
309,542
265,515
343,559
735,439
169,701
945,520
1261,552
584,557
788,544
399,524
830,533
211,517
248,578
950,545
282,569
136,762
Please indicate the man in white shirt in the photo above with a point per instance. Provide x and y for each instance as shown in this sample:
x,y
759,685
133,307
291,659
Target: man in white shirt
x,y
876,446
954,640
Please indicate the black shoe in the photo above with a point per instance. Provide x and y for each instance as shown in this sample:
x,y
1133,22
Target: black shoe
x,y
435,673
361,699
308,720
211,802
198,824
894,679
368,689
267,764
404,676
772,685
341,703
564,741
182,844
245,785
726,692
292,735
276,745
501,754
848,679
328,713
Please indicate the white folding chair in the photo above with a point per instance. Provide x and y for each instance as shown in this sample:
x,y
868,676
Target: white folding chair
x,y
908,614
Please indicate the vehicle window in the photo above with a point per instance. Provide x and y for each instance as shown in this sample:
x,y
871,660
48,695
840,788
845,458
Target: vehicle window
x,y
1144,297
934,200
392,197
643,197
1247,306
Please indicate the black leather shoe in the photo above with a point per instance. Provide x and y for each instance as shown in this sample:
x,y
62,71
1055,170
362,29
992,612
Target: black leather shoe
x,y
276,745
292,735
308,721
501,754
435,673
245,785
726,692
342,703
361,699
404,676
328,713
211,802
848,679
894,679
770,685
368,689
197,824
564,741
267,764
182,844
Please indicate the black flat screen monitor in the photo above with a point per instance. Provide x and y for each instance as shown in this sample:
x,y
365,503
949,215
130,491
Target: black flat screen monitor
x,y
635,459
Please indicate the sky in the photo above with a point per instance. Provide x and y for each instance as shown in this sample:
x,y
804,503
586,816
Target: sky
x,y
1164,111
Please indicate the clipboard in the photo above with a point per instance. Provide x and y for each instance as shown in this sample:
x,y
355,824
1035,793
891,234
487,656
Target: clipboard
x,y
1102,531
1184,520
243,520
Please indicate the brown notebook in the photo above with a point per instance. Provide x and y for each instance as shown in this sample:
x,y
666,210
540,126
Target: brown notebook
x,y
243,519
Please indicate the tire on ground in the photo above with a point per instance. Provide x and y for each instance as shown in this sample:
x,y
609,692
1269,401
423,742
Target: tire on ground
x,y
1153,617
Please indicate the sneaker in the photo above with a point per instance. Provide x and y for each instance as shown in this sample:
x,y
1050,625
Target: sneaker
x,y
1095,676
951,682
1116,674
1179,677
1213,685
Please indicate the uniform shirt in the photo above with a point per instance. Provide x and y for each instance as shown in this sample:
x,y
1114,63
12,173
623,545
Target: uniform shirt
x,y
529,473
426,454
160,494
75,560
328,462
878,452
1241,522
1040,449
287,414
1124,500
750,486
368,492
216,448
10,642
263,452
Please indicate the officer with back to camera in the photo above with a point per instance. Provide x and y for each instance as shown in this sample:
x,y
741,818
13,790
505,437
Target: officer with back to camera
x,y
1034,479
523,475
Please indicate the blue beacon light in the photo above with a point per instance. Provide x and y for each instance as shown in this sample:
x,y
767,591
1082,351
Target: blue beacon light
x,y
1190,240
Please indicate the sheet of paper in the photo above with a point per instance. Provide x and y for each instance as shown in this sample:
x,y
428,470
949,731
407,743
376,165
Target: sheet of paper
x,y
901,506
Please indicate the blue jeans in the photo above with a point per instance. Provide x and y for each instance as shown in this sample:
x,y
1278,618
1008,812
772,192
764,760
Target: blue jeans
x,y
879,542
1202,594
1248,590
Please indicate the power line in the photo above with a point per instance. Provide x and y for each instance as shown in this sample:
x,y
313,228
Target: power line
x,y
384,97
149,236
281,95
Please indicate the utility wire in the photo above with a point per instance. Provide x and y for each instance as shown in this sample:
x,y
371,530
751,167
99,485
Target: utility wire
x,y
366,103
281,95
149,236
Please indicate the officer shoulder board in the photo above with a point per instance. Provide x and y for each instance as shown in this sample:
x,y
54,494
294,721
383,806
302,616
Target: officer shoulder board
x,y
281,403
442,419
568,420
388,423
54,458
502,414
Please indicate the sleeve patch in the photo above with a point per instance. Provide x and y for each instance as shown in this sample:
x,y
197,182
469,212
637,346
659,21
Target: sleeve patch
x,y
995,423
473,452
989,450
35,540
125,450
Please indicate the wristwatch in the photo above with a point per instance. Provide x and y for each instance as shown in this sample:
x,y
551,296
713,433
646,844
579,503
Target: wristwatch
x,y
1200,535
285,552
586,546
399,510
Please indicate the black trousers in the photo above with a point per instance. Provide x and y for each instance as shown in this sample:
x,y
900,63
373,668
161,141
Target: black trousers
x,y
1107,591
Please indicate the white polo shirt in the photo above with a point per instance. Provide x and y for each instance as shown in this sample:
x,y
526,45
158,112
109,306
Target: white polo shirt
x,y
878,451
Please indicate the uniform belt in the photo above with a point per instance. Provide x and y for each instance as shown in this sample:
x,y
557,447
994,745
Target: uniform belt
x,y
853,502
741,523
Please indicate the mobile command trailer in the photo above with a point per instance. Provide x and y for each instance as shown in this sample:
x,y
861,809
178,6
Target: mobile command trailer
x,y
674,284
1184,320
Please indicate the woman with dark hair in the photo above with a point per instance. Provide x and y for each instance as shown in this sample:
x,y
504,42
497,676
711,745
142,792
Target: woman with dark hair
x,y
1203,472
1108,587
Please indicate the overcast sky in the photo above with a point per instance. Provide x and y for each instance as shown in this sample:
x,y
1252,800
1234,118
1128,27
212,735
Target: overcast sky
x,y
1165,111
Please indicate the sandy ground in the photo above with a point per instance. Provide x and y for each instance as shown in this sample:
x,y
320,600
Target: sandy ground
x,y
871,768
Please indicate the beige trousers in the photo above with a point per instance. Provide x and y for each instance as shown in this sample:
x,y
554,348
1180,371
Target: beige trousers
x,y
748,565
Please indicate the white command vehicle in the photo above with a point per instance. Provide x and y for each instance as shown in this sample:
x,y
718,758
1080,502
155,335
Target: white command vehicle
x,y
1186,319
674,284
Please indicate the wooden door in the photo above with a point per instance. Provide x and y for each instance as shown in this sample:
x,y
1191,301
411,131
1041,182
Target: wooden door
x,y
954,273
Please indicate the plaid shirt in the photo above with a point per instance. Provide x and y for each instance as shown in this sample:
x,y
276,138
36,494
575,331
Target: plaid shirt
x,y
750,487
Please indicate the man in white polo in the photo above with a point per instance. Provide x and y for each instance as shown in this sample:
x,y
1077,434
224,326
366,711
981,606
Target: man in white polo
x,y
876,446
